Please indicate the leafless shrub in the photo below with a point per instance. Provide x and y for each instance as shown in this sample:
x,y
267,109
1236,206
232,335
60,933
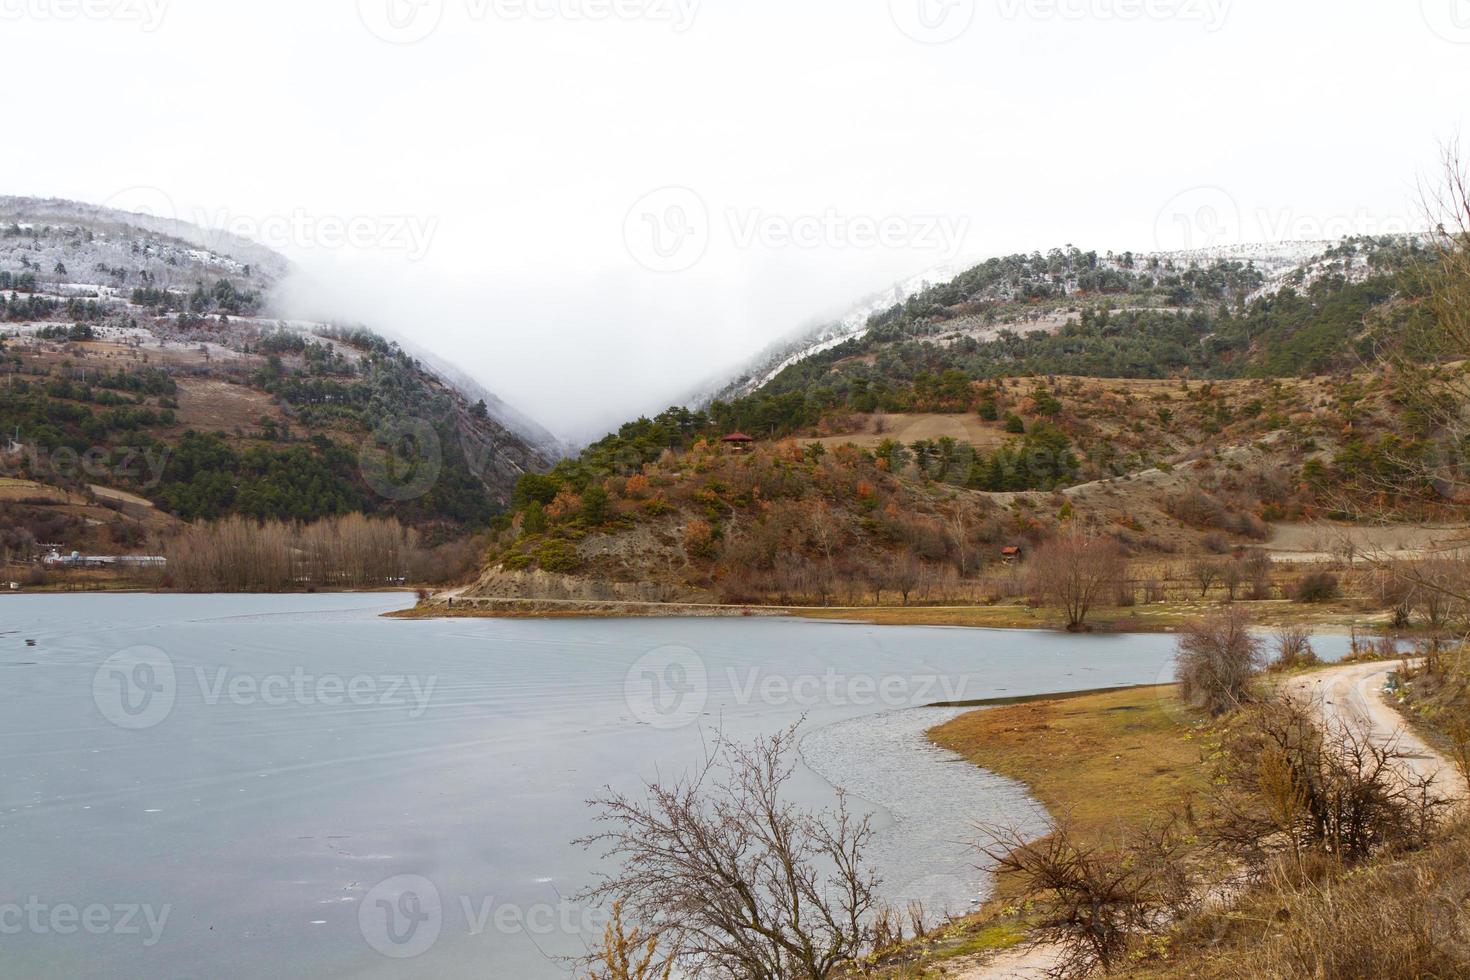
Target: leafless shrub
x,y
1216,659
1288,781
1215,543
1317,587
1294,648
735,881
1093,901
1459,739
1402,918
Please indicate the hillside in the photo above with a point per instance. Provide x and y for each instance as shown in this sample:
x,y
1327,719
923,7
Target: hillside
x,y
1171,470
149,381
1183,411
1027,294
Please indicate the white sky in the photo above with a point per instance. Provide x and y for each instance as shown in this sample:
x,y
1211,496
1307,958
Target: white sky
x,y
518,148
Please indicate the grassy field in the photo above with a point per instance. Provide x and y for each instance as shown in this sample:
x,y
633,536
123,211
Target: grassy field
x,y
1163,617
1106,760
1103,760
1155,618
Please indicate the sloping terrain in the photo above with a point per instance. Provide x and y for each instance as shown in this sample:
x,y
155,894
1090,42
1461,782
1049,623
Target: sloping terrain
x,y
143,356
1184,411
1023,294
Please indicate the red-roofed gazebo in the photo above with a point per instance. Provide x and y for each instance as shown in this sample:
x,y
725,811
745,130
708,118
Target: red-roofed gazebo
x,y
738,441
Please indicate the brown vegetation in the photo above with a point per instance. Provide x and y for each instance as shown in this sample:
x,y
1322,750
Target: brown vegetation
x,y
352,552
1092,900
1075,571
734,881
1216,661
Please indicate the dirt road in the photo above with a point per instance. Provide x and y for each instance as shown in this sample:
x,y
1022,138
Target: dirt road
x,y
1353,694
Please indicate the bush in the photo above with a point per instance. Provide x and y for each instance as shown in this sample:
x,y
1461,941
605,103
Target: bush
x,y
1406,918
1092,902
1317,587
1216,659
1294,649
1286,783
559,557
699,539
1215,543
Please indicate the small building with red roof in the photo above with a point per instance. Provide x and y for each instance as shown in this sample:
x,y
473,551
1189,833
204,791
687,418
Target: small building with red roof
x,y
739,441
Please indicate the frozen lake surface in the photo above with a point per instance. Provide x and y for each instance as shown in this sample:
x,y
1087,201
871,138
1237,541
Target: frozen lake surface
x,y
292,786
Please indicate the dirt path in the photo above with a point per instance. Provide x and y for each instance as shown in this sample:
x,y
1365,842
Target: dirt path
x,y
1026,963
1354,694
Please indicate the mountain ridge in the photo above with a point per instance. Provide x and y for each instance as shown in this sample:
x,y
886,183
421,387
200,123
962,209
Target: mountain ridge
x,y
126,334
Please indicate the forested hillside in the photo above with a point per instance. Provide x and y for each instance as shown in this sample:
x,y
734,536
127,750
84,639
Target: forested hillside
x,y
142,357
1181,409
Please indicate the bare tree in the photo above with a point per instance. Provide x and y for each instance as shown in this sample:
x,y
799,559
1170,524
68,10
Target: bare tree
x,y
1205,573
960,528
1441,587
1216,659
1422,365
1396,591
828,532
1074,571
1232,574
906,575
735,882
1092,901
1257,565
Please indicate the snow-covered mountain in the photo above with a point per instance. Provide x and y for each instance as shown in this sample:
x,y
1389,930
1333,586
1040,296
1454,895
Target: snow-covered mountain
x,y
1296,263
812,339
73,249
134,292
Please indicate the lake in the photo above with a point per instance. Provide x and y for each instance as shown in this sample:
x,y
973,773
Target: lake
x,y
292,786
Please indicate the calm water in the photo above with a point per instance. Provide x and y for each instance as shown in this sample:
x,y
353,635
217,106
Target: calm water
x,y
294,787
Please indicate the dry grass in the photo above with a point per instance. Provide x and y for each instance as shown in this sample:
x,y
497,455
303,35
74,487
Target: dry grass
x,y
1110,761
909,428
1394,918
1352,610
213,405
29,491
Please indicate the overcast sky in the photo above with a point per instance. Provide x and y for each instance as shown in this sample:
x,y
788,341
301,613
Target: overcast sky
x,y
593,204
